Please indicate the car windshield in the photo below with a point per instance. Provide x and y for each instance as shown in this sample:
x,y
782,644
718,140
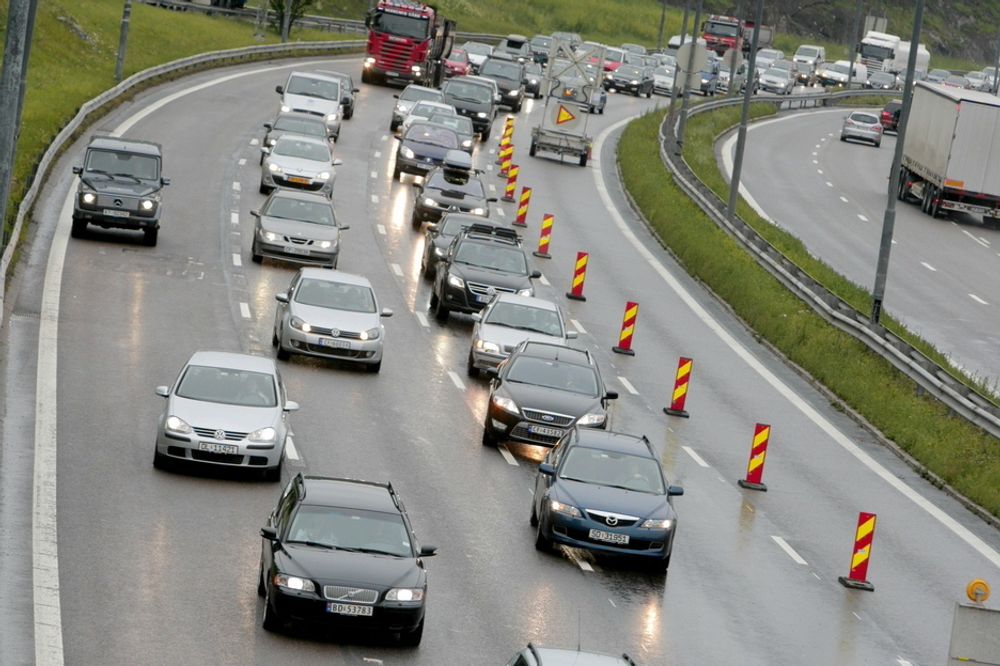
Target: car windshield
x,y
227,386
307,126
307,150
541,42
768,55
291,208
432,135
721,29
664,71
143,167
506,260
778,73
478,48
469,187
939,73
807,52
838,68
453,225
460,124
340,528
876,51
882,77
413,27
956,80
335,295
614,55
468,92
629,71
532,68
310,87
425,109
526,318
415,94
864,118
458,55
611,468
783,64
553,374
501,69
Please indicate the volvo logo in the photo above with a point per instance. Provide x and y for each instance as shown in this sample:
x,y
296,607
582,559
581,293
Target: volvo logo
x,y
119,203
548,417
220,434
611,520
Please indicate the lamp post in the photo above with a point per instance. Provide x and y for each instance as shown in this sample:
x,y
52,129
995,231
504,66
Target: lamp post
x,y
741,141
663,20
123,40
687,78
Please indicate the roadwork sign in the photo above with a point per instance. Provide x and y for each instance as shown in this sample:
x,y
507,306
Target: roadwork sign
x,y
564,115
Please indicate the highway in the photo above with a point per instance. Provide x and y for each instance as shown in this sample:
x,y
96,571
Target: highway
x,y
943,278
160,568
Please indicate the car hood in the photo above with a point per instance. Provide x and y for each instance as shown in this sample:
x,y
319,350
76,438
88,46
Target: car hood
x,y
466,107
444,198
552,400
506,85
274,135
311,104
339,567
491,277
773,80
477,59
344,320
202,414
297,166
422,150
616,500
508,337
116,186
297,229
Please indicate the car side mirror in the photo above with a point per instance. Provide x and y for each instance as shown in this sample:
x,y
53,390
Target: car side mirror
x,y
492,200
162,391
395,96
269,533
428,551
291,406
675,491
78,170
337,162
268,126
279,89
492,373
546,468
497,98
572,335
265,150
164,182
255,213
344,227
536,274
386,312
477,316
611,395
281,298
432,227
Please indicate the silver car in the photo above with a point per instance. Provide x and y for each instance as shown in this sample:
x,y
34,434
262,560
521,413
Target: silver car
x,y
423,110
411,95
317,94
863,126
332,315
226,409
298,162
508,320
663,79
297,226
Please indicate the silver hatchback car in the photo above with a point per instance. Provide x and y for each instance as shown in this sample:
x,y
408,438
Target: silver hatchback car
x,y
330,314
297,226
862,126
508,320
298,162
226,409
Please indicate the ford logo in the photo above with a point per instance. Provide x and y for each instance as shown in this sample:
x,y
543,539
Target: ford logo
x,y
546,417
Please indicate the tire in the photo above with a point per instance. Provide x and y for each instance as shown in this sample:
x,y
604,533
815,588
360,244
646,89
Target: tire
x,y
925,203
261,588
934,208
263,189
425,269
412,638
583,160
470,367
269,621
486,133
904,175
333,264
255,256
273,474
79,228
601,110
433,301
659,566
441,310
274,338
149,237
373,367
542,542
349,114
488,438
649,94
282,353
533,148
365,77
533,519
415,221
393,125
160,461
878,144
396,174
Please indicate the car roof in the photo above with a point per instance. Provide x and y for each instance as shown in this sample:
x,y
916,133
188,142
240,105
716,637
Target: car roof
x,y
125,145
415,86
353,493
233,361
530,301
608,440
564,657
301,195
307,138
556,352
327,275
471,219
315,75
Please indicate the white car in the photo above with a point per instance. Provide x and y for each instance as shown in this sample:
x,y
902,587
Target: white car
x,y
663,80
423,111
408,98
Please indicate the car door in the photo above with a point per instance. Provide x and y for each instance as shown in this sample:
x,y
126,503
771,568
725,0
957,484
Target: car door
x,y
279,520
544,481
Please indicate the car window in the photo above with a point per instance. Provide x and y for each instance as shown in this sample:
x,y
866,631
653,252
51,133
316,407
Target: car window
x,y
864,118
525,317
290,208
469,92
335,295
610,468
553,374
300,126
287,505
433,135
427,108
310,87
460,124
807,52
145,167
384,533
227,386
458,55
497,258
477,48
307,150
630,70
412,93
504,70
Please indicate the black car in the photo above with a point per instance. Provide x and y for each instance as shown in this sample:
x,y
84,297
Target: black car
x,y
452,187
474,100
480,261
347,91
438,237
509,76
341,553
460,125
605,492
631,79
533,77
516,47
292,122
120,185
422,148
540,391
539,47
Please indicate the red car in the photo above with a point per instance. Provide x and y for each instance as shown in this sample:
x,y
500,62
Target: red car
x,y
457,64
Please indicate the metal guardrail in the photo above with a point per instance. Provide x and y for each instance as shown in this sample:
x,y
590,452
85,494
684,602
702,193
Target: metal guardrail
x,y
960,398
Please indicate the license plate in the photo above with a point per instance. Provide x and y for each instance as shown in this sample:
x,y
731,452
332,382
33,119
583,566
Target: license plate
x,y
299,180
483,298
392,73
542,430
348,609
212,447
110,212
333,342
609,537
295,249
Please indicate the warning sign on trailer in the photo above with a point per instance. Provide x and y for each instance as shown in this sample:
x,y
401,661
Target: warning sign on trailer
x,y
563,115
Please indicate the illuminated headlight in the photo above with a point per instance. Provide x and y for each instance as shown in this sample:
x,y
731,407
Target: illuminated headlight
x,y
506,404
430,203
530,291
533,81
456,282
273,168
658,524
271,142
324,245
300,325
263,435
147,204
608,76
488,347
177,425
567,509
285,108
415,69
89,197
323,175
635,82
407,153
479,211
269,235
704,81
591,420
369,61
330,117
513,93
294,583
405,594
481,114
440,251
370,334
467,143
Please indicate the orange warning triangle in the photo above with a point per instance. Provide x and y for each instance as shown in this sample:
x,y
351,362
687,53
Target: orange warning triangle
x,y
564,116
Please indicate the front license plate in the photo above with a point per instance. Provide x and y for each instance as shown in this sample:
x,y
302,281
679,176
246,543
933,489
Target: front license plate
x,y
392,73
609,537
348,609
333,342
212,447
299,180
542,430
110,212
483,298
295,249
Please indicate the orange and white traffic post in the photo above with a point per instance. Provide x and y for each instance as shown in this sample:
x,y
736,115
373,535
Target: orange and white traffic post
x,y
579,276
758,451
506,159
544,237
679,396
522,208
508,193
857,579
506,141
624,345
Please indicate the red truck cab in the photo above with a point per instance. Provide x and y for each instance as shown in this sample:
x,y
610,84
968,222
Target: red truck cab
x,y
406,41
722,33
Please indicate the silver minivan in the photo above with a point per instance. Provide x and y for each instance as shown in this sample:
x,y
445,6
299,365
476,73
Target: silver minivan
x,y
313,93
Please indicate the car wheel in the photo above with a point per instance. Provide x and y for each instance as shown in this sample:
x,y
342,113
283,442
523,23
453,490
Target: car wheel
x,y
659,566
282,353
842,138
488,438
273,474
397,174
485,135
270,621
415,221
517,109
649,94
433,301
255,255
904,175
441,310
160,461
878,144
263,189
601,110
542,542
533,148
412,638
349,113
261,588
149,237
274,338
365,76
935,205
393,125
333,264
534,515
583,160
925,202
471,368
373,367
425,269
79,228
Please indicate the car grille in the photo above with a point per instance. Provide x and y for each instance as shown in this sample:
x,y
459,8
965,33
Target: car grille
x,y
354,595
312,112
601,517
226,458
333,351
482,289
297,241
548,418
521,432
395,56
230,435
350,335
117,201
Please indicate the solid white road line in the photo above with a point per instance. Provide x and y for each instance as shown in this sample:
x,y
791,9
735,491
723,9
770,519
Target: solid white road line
x,y
864,219
396,269
290,451
544,281
236,186
422,318
508,456
245,310
628,385
783,389
698,459
237,260
977,299
788,550
578,326
380,228
234,217
928,266
456,380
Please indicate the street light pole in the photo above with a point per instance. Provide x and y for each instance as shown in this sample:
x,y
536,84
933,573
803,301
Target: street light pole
x,y
889,219
855,35
741,141
663,19
123,40
677,65
286,21
687,78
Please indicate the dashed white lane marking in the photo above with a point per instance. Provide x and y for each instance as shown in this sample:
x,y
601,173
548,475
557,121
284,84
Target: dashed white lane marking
x,y
863,218
823,138
903,662
380,228
507,455
819,171
855,615
544,281
378,153
816,575
245,310
628,385
585,565
977,299
237,260
384,137
788,550
234,218
374,174
236,186
422,318
694,456
815,161
830,134
501,213
242,161
493,151
254,142
612,602
290,451
928,266
374,198
456,380
489,167
844,199
578,326
372,660
397,269
815,153
493,188
829,184
978,240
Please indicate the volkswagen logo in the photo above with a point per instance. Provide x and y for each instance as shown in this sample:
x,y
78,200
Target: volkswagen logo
x,y
334,332
220,434
611,520
548,417
119,203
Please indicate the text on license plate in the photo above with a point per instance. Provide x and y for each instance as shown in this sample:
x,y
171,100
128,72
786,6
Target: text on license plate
x,y
542,430
609,537
332,342
111,212
212,447
295,249
348,609
299,180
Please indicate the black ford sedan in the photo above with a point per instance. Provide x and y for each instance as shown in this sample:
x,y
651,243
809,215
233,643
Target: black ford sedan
x,y
422,148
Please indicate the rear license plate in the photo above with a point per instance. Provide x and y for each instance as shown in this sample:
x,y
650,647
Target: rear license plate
x,y
609,537
295,249
332,342
299,180
110,212
542,430
212,447
348,609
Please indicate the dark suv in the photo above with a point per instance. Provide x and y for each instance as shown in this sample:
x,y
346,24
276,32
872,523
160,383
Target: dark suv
x,y
454,186
509,76
341,553
473,99
120,185
890,115
540,391
481,261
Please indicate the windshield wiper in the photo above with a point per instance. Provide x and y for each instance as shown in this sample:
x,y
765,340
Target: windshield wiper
x,y
314,544
101,172
118,174
306,94
468,99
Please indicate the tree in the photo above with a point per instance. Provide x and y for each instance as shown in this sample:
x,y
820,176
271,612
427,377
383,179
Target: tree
x,y
277,13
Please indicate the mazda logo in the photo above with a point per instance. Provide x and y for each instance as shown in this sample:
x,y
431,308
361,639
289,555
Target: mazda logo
x,y
119,203
611,520
220,434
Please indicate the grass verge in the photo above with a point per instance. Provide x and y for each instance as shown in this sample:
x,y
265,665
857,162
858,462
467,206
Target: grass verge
x,y
958,453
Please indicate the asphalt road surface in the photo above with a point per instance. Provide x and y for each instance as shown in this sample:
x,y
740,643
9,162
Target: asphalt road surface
x,y
160,568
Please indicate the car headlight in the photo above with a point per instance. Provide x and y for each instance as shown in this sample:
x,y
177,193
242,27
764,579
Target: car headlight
x,y
285,108
533,81
665,524
298,324
263,435
456,281
273,168
479,211
704,81
269,235
330,117
325,245
294,583
178,425
594,419
271,142
415,69
467,143
608,76
635,82
527,291
406,152
567,509
147,204
371,334
488,347
323,175
430,203
369,60
506,404
513,93
89,197
405,594
440,251
481,114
